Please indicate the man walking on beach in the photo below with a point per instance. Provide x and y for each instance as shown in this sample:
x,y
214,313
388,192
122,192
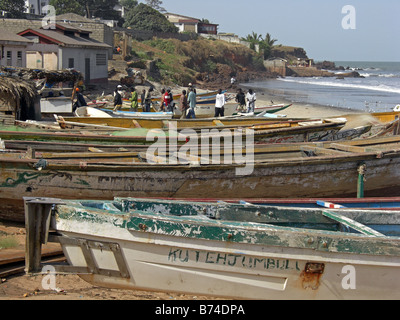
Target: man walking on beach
x,y
219,104
192,104
251,98
117,99
241,100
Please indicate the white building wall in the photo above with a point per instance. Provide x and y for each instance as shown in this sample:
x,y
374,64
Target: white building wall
x,y
35,6
97,59
13,55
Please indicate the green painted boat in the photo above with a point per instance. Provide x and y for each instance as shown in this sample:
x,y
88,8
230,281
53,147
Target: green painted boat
x,y
219,249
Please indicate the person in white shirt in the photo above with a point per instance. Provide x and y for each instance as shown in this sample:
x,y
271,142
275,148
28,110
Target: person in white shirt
x,y
219,104
251,98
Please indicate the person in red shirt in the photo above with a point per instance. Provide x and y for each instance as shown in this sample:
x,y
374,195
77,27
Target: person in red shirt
x,y
167,100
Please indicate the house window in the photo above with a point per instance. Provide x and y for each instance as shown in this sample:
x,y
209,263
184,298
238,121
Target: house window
x,y
9,58
71,63
19,59
101,59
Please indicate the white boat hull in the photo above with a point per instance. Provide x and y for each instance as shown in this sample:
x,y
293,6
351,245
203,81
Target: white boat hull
x,y
176,263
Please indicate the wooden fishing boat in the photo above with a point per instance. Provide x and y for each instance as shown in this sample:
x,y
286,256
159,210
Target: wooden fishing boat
x,y
226,250
380,123
323,130
153,123
312,170
268,109
89,112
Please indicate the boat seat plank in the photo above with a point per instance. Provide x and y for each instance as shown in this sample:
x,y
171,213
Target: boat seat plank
x,y
352,224
321,151
347,148
272,126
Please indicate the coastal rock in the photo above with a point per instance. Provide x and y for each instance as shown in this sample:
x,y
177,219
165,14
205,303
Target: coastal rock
x,y
353,74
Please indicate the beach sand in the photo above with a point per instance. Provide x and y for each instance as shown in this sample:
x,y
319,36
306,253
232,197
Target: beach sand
x,y
72,287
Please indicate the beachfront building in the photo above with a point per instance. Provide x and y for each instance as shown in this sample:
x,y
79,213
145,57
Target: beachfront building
x,y
189,24
67,47
36,7
13,49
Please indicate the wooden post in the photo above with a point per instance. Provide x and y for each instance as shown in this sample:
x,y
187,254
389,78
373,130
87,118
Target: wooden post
x,y
37,224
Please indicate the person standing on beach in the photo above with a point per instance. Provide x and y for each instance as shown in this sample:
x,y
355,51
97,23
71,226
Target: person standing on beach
x,y
166,100
251,98
80,100
219,104
134,100
183,102
147,100
117,100
162,106
192,104
241,100
142,97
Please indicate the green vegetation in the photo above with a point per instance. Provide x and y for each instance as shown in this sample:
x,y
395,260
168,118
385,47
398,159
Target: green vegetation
x,y
144,17
265,44
88,8
182,62
15,8
7,241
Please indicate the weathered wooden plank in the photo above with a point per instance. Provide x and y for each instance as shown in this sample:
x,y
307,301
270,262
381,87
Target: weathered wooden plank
x,y
347,148
352,224
321,151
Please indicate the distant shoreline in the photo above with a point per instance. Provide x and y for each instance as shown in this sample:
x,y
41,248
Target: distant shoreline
x,y
298,109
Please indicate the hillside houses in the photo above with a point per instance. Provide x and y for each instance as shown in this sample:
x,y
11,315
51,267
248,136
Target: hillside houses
x,y
189,24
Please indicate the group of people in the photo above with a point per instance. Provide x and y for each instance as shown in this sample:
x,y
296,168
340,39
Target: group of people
x,y
246,102
134,99
187,101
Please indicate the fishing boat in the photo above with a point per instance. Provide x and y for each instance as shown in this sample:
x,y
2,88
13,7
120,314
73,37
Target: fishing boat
x,y
267,109
303,170
89,112
225,250
321,130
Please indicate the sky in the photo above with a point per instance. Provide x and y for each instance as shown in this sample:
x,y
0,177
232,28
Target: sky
x,y
326,29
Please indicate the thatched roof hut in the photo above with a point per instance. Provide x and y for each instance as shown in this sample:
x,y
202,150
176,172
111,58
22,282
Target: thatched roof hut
x,y
17,100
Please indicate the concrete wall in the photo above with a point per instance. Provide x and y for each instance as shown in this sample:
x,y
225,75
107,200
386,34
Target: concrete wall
x,y
14,51
276,66
98,73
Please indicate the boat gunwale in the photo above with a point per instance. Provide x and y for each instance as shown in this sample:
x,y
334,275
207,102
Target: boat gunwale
x,y
241,232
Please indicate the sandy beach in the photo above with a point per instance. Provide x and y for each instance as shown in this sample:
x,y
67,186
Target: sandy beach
x,y
72,287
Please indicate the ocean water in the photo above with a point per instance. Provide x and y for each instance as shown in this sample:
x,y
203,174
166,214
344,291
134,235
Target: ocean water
x,y
377,91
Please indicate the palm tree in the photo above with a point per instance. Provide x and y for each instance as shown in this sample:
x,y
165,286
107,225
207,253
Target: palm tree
x,y
267,45
269,41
